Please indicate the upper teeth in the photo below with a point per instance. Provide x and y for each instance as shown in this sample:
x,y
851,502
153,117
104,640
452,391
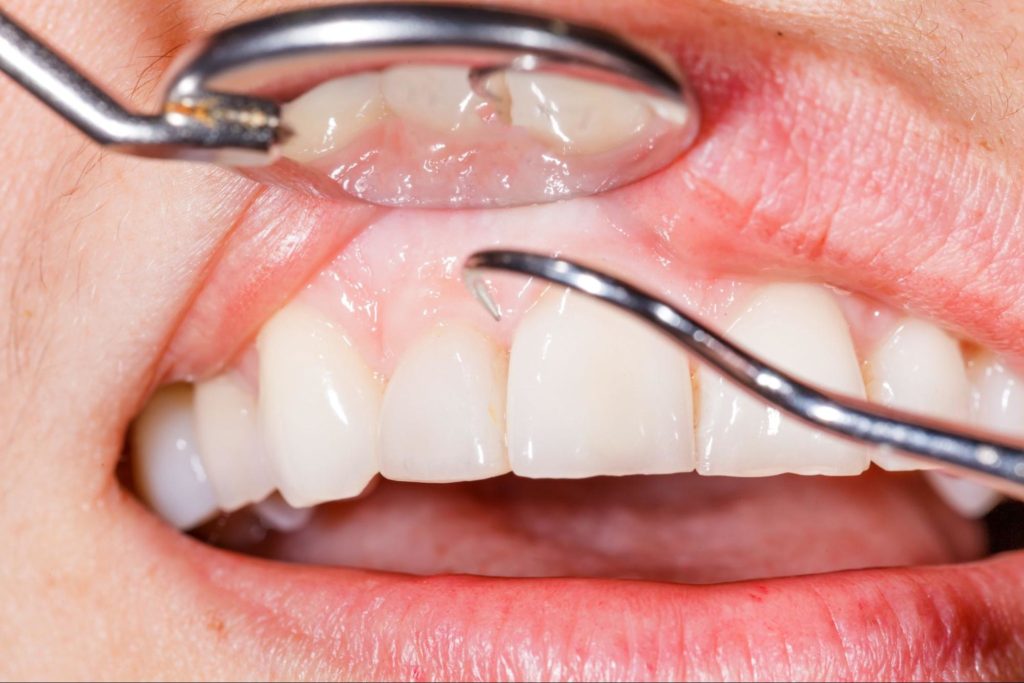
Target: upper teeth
x,y
592,392
800,329
318,407
918,368
589,392
229,442
168,471
443,417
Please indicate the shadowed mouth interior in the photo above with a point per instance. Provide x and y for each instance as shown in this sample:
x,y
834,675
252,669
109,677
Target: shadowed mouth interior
x,y
674,528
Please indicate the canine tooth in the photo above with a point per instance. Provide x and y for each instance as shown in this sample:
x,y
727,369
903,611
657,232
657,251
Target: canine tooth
x,y
918,368
167,469
229,442
573,115
440,97
319,404
593,392
799,328
331,115
443,415
971,500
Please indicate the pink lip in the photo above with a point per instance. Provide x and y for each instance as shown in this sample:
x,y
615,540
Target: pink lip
x,y
902,624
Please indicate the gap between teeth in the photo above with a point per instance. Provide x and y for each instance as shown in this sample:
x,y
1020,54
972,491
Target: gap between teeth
x,y
583,391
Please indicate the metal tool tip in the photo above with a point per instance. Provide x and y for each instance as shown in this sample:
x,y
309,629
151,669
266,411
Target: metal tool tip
x,y
480,288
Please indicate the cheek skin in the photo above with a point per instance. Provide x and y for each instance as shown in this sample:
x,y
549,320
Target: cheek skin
x,y
98,254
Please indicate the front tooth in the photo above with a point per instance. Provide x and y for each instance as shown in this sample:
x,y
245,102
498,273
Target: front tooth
x,y
228,433
920,369
800,329
331,115
439,97
573,115
443,416
593,392
319,404
167,469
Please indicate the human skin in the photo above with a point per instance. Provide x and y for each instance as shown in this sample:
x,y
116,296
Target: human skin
x,y
101,254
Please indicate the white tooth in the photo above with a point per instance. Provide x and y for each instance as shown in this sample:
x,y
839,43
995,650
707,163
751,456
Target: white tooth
x,y
439,97
443,416
229,442
800,329
996,404
574,115
996,396
593,392
166,466
331,115
275,513
319,404
918,368
971,500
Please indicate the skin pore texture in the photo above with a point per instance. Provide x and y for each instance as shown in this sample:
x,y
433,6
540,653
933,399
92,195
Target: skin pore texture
x,y
872,145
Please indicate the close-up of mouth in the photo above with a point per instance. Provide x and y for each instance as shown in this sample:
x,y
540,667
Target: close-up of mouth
x,y
339,464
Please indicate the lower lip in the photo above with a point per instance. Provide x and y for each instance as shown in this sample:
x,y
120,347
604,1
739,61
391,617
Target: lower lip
x,y
953,622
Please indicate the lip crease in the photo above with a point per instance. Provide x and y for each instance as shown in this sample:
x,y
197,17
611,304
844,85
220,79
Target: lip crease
x,y
806,166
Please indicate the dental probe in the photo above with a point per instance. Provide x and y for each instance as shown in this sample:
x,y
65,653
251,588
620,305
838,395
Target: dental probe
x,y
210,114
972,454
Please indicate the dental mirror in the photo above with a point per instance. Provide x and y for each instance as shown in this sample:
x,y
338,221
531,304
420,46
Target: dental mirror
x,y
401,104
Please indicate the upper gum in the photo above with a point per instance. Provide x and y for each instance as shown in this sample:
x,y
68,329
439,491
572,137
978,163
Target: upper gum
x,y
402,275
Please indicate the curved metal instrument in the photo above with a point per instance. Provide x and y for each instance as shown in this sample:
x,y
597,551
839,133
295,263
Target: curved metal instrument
x,y
972,454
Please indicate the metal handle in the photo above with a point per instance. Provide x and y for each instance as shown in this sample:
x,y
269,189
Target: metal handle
x,y
229,121
54,81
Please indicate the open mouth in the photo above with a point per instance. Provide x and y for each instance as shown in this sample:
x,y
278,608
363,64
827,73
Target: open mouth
x,y
564,494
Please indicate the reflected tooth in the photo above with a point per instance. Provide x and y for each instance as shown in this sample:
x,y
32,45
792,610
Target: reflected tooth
x,y
228,433
439,97
971,500
673,112
593,392
443,415
319,404
167,469
800,329
918,368
573,115
331,115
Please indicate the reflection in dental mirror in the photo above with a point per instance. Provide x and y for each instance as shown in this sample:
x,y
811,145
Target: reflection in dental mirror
x,y
446,136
